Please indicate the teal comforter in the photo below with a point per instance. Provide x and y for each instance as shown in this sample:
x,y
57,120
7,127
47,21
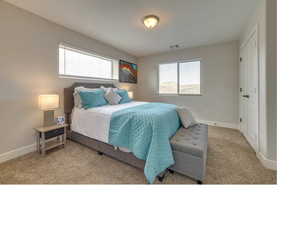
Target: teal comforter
x,y
145,130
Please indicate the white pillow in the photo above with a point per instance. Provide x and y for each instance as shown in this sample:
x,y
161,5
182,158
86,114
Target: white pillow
x,y
77,99
186,117
112,97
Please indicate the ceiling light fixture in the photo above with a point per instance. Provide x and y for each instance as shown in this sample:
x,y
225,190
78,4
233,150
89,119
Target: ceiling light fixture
x,y
151,21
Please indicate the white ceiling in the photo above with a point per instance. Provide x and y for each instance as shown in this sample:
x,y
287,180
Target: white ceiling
x,y
188,23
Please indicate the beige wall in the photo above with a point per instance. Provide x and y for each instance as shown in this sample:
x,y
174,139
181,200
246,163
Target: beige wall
x,y
272,78
219,81
265,18
28,67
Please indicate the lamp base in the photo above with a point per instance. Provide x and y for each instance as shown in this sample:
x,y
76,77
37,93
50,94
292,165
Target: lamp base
x,y
49,118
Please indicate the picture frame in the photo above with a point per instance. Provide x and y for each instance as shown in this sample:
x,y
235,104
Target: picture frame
x,y
127,72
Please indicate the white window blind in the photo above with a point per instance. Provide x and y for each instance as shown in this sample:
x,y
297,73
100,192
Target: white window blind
x,y
77,63
180,78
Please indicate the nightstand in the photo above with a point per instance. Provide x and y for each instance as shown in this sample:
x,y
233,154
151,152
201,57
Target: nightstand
x,y
50,137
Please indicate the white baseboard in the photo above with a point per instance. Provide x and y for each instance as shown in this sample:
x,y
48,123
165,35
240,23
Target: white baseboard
x,y
17,153
269,164
220,124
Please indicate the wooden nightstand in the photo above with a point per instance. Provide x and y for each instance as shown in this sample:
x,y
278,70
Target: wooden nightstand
x,y
50,137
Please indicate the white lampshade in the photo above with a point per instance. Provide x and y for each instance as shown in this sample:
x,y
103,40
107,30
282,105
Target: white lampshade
x,y
48,102
130,94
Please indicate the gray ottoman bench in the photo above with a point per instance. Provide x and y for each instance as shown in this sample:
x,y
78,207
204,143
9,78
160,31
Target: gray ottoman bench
x,y
190,151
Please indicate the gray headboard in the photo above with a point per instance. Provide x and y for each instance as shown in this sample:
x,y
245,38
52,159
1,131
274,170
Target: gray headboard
x,y
68,95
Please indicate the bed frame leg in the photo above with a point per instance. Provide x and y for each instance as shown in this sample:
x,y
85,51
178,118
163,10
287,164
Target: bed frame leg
x,y
161,178
171,171
99,153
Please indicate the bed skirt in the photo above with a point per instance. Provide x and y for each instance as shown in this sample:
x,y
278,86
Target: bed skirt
x,y
107,149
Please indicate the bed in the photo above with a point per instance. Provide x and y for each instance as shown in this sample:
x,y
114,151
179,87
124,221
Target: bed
x,y
125,131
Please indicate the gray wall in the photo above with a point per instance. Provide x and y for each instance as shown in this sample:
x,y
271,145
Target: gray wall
x,y
219,81
28,67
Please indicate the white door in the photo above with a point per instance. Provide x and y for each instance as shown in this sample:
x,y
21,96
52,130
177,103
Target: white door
x,y
249,91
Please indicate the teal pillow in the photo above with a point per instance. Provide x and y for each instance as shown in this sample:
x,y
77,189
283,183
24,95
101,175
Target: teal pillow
x,y
124,96
92,99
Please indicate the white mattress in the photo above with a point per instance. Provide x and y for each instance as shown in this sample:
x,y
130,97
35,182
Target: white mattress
x,y
95,122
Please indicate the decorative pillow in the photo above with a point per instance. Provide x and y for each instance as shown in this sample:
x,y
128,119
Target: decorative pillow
x,y
77,99
108,88
124,96
112,97
186,117
92,99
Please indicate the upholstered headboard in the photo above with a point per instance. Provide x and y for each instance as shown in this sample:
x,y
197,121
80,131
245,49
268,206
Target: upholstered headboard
x,y
68,95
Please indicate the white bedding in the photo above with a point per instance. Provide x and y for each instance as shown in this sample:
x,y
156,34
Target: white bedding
x,y
95,122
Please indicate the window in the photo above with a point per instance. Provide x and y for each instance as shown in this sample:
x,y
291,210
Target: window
x,y
180,78
77,63
168,78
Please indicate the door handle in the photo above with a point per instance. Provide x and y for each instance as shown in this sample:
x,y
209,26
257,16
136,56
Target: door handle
x,y
246,96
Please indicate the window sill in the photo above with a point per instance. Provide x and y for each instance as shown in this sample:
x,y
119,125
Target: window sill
x,y
85,78
178,95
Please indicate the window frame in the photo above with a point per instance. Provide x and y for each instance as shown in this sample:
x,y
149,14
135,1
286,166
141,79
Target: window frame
x,y
84,52
178,77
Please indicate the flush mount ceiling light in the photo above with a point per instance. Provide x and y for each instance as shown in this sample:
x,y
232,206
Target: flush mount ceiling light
x,y
150,21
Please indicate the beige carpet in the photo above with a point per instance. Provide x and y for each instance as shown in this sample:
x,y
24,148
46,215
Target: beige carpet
x,y
230,161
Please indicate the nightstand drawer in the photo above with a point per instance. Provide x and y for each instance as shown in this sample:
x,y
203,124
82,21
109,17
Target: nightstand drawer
x,y
54,133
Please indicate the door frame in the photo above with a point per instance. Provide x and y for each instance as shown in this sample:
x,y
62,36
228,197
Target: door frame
x,y
253,32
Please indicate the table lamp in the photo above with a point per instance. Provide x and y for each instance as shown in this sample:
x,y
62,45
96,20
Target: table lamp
x,y
48,103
